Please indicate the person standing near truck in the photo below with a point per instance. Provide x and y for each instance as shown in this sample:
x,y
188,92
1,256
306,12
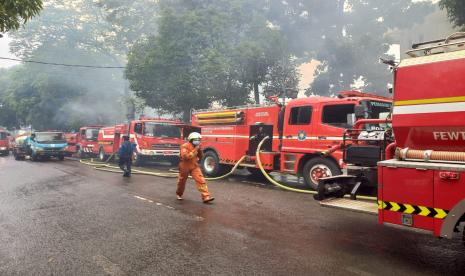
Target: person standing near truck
x,y
125,153
190,155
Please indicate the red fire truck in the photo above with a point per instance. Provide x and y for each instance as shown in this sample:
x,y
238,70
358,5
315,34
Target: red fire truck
x,y
83,142
4,142
301,130
422,181
155,139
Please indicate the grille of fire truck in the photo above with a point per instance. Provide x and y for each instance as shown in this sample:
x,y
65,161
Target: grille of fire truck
x,y
454,42
165,146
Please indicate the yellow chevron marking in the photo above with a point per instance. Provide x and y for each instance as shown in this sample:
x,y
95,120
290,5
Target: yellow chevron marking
x,y
431,101
409,209
395,206
424,211
381,204
440,213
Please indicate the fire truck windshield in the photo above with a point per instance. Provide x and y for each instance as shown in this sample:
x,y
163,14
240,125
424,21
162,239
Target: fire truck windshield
x,y
3,135
378,110
50,137
92,134
161,130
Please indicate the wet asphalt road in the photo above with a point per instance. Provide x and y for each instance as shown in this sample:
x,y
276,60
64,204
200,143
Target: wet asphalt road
x,y
64,218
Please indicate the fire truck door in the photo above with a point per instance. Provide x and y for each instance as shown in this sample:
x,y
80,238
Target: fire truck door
x,y
297,129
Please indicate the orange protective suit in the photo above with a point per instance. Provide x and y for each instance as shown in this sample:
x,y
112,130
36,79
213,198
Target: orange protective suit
x,y
190,156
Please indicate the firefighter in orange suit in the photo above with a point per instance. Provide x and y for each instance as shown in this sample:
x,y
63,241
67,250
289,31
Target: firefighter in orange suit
x,y
190,156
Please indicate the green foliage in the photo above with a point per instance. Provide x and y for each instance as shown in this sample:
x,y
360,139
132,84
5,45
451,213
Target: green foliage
x,y
38,99
456,11
204,52
15,12
65,34
347,37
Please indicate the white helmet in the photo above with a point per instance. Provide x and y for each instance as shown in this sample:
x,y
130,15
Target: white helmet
x,y
194,136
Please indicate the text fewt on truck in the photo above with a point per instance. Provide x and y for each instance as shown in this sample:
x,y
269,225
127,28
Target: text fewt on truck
x,y
301,131
155,139
421,184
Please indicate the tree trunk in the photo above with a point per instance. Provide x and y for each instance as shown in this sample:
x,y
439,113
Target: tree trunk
x,y
256,93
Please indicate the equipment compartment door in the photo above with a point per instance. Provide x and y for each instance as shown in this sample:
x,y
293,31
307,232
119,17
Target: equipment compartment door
x,y
408,192
449,189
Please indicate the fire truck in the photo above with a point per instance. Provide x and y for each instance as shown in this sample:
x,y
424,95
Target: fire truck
x,y
4,142
83,142
421,182
301,131
155,139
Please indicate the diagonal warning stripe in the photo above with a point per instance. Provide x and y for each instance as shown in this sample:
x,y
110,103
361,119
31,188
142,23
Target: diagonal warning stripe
x,y
406,208
409,209
424,211
395,206
440,213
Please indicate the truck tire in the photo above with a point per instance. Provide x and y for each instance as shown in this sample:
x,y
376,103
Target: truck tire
x,y
80,153
101,155
34,157
210,164
139,160
61,157
319,167
174,161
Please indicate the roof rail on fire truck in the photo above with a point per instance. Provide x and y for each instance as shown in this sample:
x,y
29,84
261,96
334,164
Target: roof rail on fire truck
x,y
454,42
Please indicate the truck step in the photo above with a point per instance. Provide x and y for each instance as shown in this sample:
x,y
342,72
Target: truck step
x,y
351,205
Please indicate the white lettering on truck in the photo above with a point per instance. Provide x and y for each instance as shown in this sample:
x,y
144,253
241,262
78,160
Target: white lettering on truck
x,y
449,136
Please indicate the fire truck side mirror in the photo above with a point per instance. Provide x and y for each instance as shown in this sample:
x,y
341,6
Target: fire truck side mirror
x,y
390,90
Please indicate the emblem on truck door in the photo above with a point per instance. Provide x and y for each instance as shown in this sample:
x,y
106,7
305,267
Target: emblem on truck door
x,y
302,135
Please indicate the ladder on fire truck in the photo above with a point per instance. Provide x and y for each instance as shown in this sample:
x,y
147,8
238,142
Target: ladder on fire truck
x,y
454,42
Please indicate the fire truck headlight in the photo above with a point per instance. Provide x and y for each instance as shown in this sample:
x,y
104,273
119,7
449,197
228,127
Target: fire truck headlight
x,y
2,148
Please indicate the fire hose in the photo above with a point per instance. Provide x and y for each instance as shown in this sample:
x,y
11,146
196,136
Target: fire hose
x,y
105,166
260,165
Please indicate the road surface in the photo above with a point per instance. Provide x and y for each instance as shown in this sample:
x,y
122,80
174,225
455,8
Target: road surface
x,y
64,218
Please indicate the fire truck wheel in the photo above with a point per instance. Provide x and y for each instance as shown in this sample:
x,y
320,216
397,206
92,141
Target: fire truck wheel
x,y
210,164
317,168
174,161
101,155
81,154
34,157
61,157
139,160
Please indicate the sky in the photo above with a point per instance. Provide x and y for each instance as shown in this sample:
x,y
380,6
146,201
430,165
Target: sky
x,y
5,52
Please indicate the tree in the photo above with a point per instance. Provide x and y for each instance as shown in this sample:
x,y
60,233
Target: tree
x,y
455,10
14,13
204,52
38,99
347,37
66,34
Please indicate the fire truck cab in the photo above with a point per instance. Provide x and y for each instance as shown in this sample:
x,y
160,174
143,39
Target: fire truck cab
x,y
301,131
155,139
421,184
83,142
